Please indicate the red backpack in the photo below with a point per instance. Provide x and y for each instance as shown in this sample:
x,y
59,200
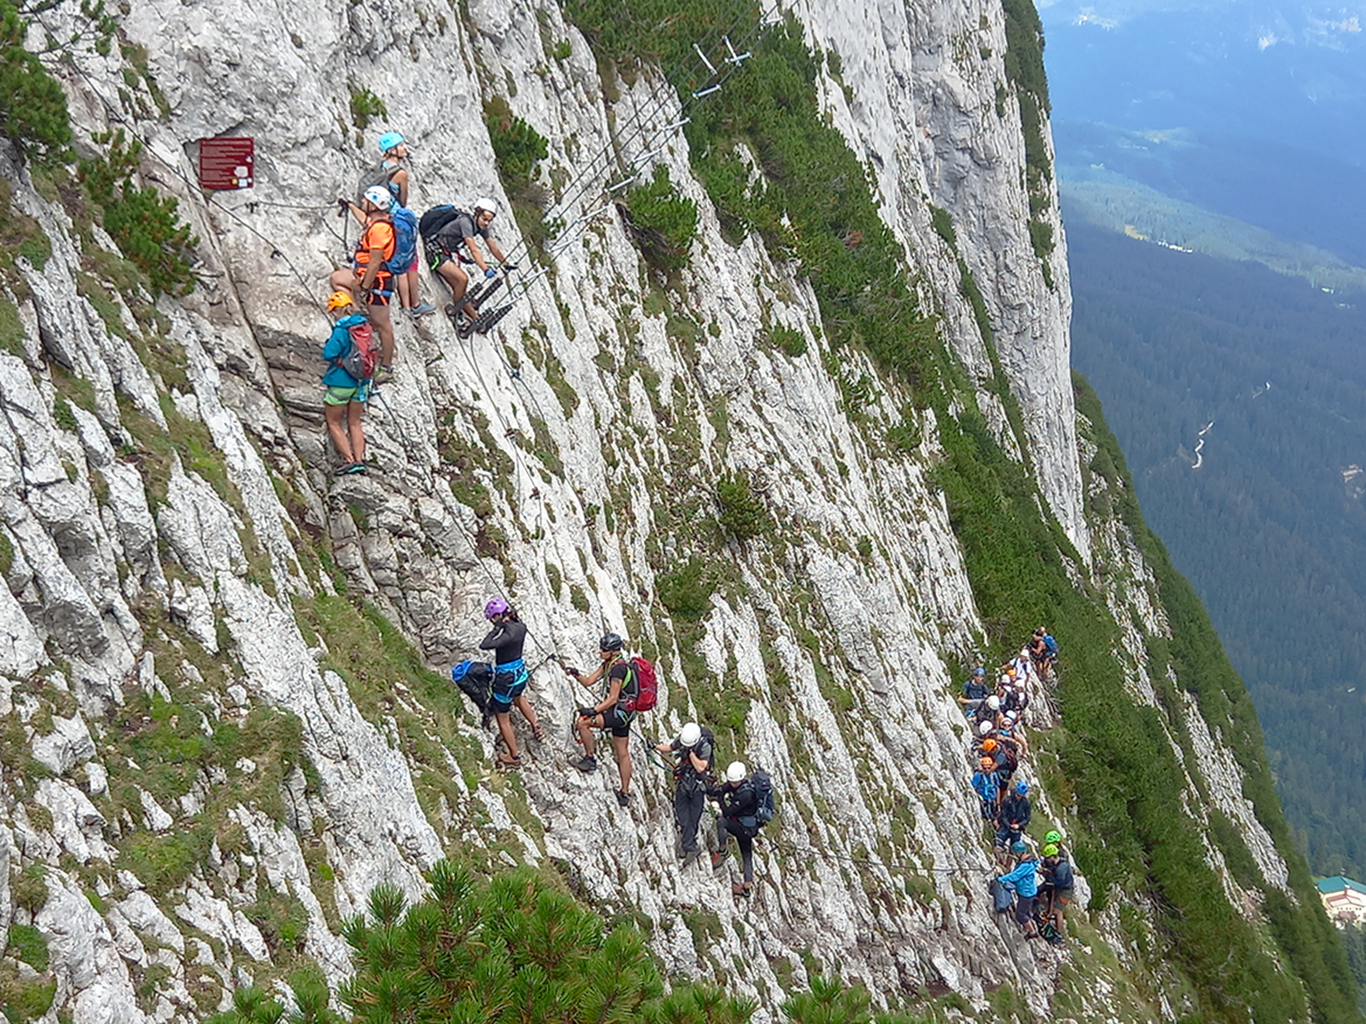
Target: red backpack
x,y
647,685
362,359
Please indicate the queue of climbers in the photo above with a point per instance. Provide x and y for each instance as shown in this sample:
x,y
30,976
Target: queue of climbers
x,y
359,352
1037,886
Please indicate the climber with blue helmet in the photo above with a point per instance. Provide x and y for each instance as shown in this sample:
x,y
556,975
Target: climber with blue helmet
x,y
613,712
370,278
510,677
392,174
974,691
1024,881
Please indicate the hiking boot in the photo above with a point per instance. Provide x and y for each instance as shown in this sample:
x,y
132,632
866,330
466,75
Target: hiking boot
x,y
355,467
623,799
741,888
421,309
586,764
718,861
384,375
691,855
450,310
343,469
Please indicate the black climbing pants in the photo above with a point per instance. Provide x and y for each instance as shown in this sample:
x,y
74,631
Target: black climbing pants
x,y
727,827
688,803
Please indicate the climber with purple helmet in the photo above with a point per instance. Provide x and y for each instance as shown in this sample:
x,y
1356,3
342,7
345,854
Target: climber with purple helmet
x,y
509,678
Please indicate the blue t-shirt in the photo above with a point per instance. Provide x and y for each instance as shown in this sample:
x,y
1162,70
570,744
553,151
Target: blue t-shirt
x,y
336,346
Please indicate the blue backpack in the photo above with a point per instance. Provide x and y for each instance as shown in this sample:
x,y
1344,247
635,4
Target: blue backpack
x,y
1051,644
405,240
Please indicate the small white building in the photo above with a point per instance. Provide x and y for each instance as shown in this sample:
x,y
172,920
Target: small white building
x,y
1344,899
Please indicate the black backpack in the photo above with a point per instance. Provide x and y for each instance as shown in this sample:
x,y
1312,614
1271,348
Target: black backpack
x,y
475,679
380,175
762,784
435,219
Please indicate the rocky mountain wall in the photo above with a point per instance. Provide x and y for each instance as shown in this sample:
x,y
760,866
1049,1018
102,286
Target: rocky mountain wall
x,y
219,738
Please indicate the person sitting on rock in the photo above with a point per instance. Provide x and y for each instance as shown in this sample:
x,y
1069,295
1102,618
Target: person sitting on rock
x,y
974,691
694,747
510,677
611,713
453,253
370,278
1024,880
344,403
739,818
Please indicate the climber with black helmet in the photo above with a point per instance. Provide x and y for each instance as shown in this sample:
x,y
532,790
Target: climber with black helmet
x,y
695,748
453,254
739,818
1013,818
612,712
370,278
510,677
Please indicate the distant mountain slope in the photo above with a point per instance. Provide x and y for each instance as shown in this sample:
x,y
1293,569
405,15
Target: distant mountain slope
x,y
1110,200
1271,529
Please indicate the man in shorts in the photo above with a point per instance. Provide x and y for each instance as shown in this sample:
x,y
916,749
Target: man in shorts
x,y
344,403
612,713
453,253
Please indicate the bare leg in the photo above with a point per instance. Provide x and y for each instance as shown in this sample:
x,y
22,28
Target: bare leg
x,y
414,290
621,746
355,410
528,712
333,415
504,720
584,727
384,324
405,295
343,281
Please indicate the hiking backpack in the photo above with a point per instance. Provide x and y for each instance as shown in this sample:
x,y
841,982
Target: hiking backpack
x,y
647,685
404,222
475,679
362,358
435,219
763,789
380,175
1052,645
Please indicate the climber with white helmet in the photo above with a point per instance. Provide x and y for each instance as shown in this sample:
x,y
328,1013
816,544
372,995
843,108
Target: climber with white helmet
x,y
739,818
614,712
510,677
370,278
695,747
450,238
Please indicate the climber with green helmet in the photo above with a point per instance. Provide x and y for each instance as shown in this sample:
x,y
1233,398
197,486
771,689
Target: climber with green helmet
x,y
695,747
612,712
1056,892
510,677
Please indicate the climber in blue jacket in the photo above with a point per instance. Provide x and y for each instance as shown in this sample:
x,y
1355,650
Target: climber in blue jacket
x,y
987,783
1025,881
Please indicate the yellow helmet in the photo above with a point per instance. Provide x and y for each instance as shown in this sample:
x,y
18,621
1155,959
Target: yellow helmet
x,y
339,300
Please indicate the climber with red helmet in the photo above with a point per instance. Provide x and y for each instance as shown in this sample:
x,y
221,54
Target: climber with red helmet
x,y
509,678
613,712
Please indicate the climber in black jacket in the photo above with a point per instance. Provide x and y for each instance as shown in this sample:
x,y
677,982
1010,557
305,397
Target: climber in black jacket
x,y
739,818
509,678
1012,819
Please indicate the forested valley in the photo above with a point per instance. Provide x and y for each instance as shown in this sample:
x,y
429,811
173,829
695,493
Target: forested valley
x,y
1270,528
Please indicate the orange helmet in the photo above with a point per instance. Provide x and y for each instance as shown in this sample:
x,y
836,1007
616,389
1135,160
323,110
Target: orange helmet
x,y
988,745
339,300
988,763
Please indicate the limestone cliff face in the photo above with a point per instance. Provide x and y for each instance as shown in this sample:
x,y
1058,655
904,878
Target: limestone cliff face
x,y
177,542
